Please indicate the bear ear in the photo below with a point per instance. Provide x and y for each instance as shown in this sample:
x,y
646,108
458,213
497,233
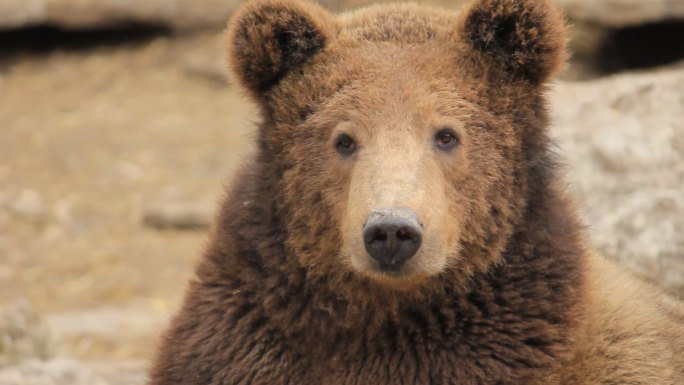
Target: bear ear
x,y
526,38
269,38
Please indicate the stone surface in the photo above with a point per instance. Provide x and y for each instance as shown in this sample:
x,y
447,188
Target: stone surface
x,y
91,139
621,13
106,323
64,371
214,13
623,140
53,372
22,334
28,204
18,13
179,215
179,14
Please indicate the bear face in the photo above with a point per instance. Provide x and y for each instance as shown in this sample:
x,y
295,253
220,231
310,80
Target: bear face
x,y
405,140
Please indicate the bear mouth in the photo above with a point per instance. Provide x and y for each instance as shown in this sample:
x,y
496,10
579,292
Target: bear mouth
x,y
396,275
390,269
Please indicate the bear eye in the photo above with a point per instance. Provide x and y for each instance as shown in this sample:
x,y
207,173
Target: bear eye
x,y
345,145
446,138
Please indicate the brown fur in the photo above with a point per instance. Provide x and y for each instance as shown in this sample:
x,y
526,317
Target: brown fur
x,y
503,290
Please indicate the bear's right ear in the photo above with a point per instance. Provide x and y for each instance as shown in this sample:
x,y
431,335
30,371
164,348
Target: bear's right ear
x,y
269,38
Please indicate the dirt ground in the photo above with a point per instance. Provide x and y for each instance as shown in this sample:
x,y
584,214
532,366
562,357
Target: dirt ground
x,y
89,139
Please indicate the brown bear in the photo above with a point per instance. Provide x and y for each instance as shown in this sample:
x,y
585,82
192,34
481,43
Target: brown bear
x,y
402,220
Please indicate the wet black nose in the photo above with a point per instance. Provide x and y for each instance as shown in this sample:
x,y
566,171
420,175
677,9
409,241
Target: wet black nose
x,y
392,236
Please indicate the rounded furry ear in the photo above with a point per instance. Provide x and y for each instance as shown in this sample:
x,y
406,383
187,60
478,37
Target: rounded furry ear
x,y
268,38
525,37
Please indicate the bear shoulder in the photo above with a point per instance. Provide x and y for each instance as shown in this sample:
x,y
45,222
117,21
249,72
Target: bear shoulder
x,y
631,332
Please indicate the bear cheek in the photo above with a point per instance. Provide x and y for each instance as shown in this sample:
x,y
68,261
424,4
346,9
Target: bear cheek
x,y
442,236
353,252
450,205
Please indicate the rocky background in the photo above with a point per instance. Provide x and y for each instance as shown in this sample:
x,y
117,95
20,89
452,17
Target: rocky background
x,y
119,128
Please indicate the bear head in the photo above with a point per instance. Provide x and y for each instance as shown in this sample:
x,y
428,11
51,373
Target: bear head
x,y
405,141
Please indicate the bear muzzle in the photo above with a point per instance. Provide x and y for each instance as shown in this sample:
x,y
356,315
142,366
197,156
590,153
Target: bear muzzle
x,y
392,236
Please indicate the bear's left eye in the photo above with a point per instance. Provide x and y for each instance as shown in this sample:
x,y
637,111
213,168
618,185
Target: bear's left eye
x,y
345,144
446,138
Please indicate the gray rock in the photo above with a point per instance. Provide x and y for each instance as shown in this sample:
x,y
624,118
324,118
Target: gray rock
x,y
121,373
621,13
183,14
28,205
65,371
179,215
206,60
623,140
178,14
19,13
107,321
23,335
53,372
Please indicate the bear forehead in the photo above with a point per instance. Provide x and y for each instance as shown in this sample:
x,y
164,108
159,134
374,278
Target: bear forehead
x,y
406,23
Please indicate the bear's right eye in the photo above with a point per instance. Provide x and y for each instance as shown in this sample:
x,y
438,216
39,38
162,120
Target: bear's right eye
x,y
345,145
446,138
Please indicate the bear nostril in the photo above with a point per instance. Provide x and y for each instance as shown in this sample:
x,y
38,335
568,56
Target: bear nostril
x,y
403,234
379,236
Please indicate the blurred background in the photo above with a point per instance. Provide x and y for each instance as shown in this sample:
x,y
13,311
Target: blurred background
x,y
119,129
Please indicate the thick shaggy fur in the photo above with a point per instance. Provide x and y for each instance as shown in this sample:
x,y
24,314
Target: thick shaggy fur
x,y
518,298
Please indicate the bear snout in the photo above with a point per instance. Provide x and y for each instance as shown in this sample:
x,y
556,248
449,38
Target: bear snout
x,y
392,236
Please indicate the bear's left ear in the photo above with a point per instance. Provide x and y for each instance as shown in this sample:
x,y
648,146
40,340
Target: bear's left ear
x,y
526,38
269,38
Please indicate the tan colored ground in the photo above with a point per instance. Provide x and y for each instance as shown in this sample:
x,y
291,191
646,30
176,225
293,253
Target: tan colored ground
x,y
87,140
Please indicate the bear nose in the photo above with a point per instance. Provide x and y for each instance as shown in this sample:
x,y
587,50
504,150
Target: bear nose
x,y
392,236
